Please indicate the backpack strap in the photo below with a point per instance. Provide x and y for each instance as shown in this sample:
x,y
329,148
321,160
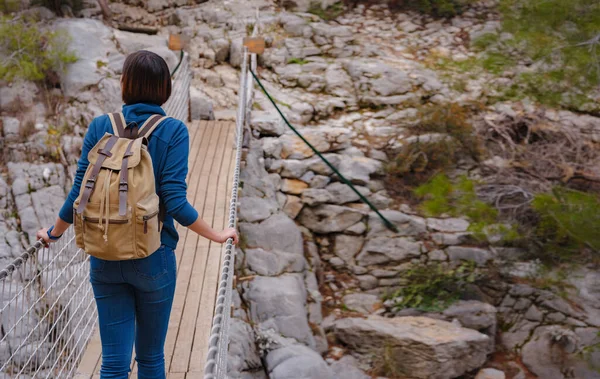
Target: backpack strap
x,y
151,123
123,186
89,184
117,121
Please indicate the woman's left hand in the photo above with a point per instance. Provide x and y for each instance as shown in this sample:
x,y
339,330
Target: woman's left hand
x,y
42,234
224,235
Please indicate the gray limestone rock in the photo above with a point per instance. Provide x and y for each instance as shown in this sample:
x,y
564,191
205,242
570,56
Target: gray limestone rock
x,y
346,368
361,302
346,247
273,263
297,362
201,107
359,169
342,193
329,218
268,123
381,250
474,315
267,234
91,41
479,256
253,209
425,347
279,303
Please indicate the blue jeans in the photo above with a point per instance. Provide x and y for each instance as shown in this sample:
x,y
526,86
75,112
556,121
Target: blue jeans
x,y
134,301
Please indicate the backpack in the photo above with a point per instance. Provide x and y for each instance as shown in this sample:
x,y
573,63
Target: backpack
x,y
116,215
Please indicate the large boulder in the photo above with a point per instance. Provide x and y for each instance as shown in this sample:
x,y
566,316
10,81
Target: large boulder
x,y
268,234
91,41
297,362
322,139
329,218
419,346
279,303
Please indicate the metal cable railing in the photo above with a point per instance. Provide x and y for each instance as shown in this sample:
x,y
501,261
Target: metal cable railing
x,y
47,308
216,360
47,312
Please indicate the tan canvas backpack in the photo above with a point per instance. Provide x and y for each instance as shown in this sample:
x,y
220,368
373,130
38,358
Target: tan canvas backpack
x,y
116,215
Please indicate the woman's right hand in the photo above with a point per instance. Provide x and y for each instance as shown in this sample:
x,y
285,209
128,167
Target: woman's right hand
x,y
224,235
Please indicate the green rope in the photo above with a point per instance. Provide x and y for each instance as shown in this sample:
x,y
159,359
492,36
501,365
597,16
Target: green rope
x,y
386,222
178,64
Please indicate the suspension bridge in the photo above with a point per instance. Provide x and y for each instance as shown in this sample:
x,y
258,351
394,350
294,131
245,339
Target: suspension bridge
x,y
48,313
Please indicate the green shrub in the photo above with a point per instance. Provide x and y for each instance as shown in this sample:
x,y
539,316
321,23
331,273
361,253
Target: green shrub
x,y
459,199
438,8
330,13
8,6
569,221
417,162
299,61
560,37
32,53
434,287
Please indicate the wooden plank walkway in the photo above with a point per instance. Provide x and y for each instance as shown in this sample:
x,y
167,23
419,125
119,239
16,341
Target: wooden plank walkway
x,y
210,174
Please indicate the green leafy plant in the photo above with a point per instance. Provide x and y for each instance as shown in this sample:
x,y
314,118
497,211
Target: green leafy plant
x,y
328,14
438,8
434,287
32,53
299,61
441,196
569,221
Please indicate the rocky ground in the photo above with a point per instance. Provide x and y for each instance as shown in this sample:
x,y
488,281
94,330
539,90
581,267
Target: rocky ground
x,y
315,264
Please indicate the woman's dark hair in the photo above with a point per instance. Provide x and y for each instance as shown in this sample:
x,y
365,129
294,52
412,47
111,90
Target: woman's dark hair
x,y
146,79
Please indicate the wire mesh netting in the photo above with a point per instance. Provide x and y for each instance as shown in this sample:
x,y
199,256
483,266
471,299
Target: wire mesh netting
x,y
47,311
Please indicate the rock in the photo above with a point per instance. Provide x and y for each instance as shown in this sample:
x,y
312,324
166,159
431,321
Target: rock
x,y
319,181
293,186
268,123
407,225
314,196
479,256
18,95
236,52
474,315
424,347
243,354
448,225
267,234
450,239
201,107
551,351
253,209
221,49
337,262
273,263
361,302
357,229
367,282
346,247
490,373
279,303
382,250
293,168
293,206
323,140
297,362
132,42
342,193
359,169
517,334
91,41
271,147
317,165
346,368
329,218
381,79
338,83
11,128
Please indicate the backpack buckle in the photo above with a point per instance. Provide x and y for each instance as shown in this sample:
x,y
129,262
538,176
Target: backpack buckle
x,y
123,187
90,183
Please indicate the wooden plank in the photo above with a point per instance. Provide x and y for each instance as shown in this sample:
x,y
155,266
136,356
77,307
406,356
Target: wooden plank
x,y
185,337
212,272
188,245
176,375
91,356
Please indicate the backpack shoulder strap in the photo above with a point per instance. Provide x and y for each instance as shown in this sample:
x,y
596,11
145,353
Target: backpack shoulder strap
x,y
117,121
151,123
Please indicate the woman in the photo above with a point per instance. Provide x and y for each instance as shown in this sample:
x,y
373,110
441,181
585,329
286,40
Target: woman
x,y
134,297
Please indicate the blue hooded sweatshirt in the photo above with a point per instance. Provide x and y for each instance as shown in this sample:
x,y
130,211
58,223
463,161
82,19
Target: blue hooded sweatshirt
x,y
169,149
